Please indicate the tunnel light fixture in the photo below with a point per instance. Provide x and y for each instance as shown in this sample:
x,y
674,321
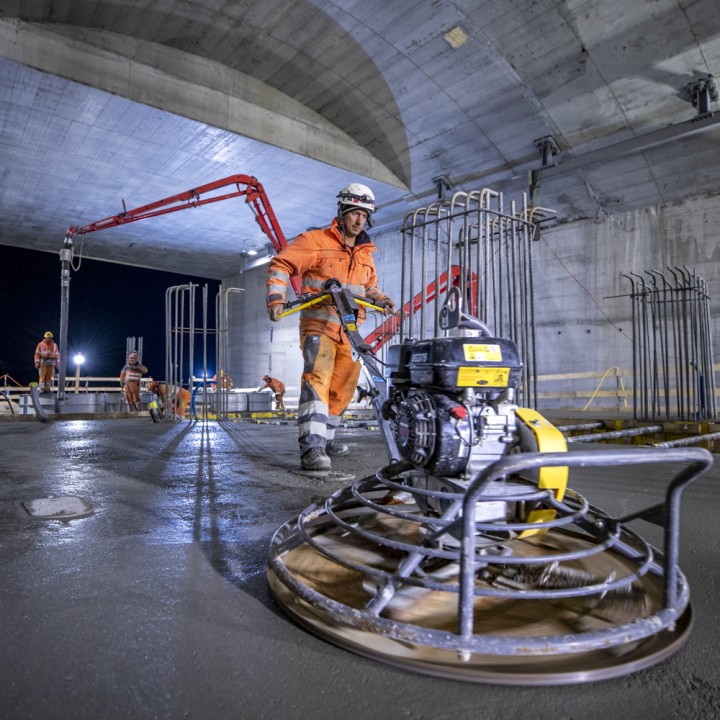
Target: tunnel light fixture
x,y
256,257
79,359
256,262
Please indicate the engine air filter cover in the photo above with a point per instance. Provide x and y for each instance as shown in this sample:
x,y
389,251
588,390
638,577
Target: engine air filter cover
x,y
460,362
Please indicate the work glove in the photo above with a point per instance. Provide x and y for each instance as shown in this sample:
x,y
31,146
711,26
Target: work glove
x,y
274,311
387,305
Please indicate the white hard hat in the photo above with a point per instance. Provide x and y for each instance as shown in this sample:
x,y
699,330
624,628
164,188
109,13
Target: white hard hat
x,y
354,196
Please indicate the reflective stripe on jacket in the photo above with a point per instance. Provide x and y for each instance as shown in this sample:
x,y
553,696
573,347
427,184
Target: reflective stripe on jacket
x,y
47,354
317,256
132,373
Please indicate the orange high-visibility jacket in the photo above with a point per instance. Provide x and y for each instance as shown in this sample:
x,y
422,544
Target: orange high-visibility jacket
x,y
132,373
275,385
179,400
47,354
317,256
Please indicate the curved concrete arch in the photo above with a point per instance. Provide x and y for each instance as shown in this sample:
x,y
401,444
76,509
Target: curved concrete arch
x,y
188,85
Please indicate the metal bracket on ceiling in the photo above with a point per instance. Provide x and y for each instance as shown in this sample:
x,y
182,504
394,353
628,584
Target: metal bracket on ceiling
x,y
442,184
701,93
548,149
704,120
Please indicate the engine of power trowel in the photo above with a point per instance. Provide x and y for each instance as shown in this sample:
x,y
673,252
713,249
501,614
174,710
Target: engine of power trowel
x,y
451,407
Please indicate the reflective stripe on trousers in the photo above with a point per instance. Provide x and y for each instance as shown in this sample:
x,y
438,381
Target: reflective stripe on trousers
x,y
328,384
131,390
46,375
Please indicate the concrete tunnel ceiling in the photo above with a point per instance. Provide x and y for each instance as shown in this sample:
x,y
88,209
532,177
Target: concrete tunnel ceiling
x,y
105,102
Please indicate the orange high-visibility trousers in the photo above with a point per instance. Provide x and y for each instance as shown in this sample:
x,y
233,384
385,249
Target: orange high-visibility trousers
x,y
327,386
46,374
131,390
180,402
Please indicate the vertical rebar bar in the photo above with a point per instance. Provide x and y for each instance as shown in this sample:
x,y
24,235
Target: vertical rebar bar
x,y
472,242
673,374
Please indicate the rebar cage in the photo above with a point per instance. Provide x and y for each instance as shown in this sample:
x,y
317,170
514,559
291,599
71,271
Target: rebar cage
x,y
481,244
673,375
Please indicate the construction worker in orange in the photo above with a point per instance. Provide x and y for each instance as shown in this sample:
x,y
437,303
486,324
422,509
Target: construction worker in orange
x,y
342,251
278,389
225,381
130,378
47,358
179,400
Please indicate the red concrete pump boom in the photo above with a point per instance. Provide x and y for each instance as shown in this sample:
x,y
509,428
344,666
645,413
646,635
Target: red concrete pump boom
x,y
245,185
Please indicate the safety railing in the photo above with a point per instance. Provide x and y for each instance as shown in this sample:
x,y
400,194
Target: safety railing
x,y
593,390
611,389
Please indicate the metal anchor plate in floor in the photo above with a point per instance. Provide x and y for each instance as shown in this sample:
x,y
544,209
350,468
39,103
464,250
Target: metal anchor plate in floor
x,y
58,508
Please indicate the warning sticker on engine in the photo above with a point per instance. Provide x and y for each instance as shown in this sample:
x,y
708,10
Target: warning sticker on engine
x,y
483,377
478,353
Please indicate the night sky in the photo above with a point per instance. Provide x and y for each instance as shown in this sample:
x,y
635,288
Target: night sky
x,y
108,303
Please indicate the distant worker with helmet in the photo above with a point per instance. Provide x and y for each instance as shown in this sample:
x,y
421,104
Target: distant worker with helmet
x,y
177,401
130,378
342,251
47,358
278,390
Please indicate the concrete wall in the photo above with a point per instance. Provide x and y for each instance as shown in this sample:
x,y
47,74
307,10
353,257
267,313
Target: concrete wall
x,y
256,346
583,308
584,313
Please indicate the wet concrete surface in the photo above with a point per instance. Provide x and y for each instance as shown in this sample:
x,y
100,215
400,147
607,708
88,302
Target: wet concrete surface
x,y
157,604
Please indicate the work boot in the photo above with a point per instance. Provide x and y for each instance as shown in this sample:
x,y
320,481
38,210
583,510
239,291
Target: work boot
x,y
315,459
335,448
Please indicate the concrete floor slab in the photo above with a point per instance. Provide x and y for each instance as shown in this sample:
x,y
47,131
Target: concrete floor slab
x,y
157,605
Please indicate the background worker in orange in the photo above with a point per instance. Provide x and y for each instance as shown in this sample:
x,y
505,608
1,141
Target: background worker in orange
x,y
130,378
342,251
179,400
225,383
47,358
278,389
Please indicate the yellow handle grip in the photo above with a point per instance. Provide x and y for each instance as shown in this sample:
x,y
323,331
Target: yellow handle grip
x,y
302,306
322,298
369,305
